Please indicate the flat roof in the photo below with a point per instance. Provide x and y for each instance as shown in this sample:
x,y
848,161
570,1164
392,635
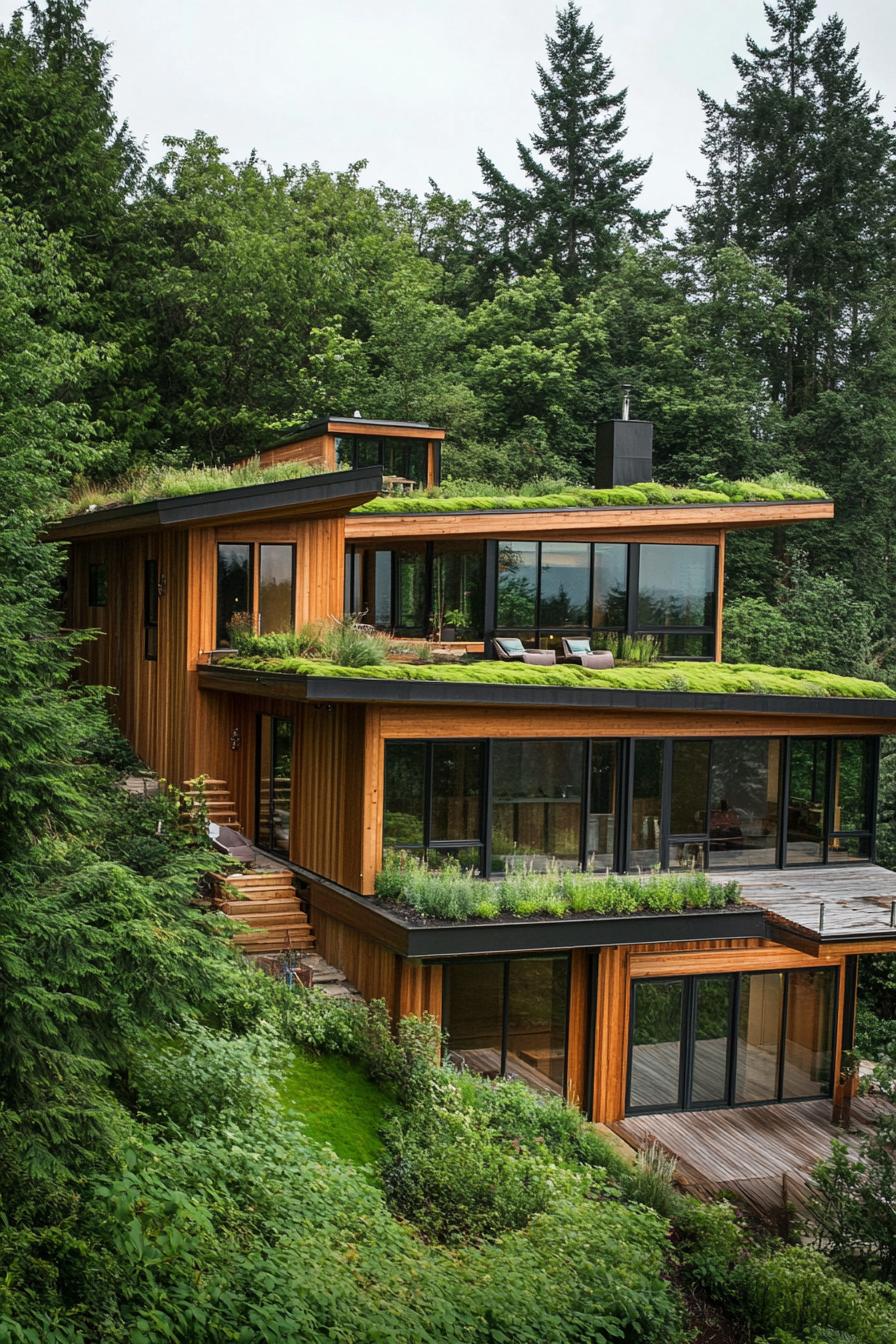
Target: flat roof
x,y
820,906
332,492
578,523
518,695
414,936
348,424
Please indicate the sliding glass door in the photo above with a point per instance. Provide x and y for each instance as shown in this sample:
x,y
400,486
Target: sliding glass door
x,y
731,1040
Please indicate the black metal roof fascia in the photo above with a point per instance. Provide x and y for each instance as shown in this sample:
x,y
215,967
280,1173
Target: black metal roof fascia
x,y
313,428
598,508
370,690
454,939
366,481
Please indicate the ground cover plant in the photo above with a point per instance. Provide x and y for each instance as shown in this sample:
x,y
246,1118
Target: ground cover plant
x,y
459,496
451,891
701,678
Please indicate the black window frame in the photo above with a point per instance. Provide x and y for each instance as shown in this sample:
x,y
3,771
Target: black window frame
x,y
355,555
274,720
540,633
406,440
151,610
505,1000
428,844
253,580
98,584
689,984
626,747
259,557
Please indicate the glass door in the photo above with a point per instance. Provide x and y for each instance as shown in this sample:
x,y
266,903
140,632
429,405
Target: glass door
x,y
273,791
656,1057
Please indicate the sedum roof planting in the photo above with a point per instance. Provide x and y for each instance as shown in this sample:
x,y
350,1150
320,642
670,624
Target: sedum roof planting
x,y
706,678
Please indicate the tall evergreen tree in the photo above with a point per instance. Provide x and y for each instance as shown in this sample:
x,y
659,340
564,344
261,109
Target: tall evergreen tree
x,y
580,201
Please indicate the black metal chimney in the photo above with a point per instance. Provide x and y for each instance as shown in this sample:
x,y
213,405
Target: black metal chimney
x,y
624,449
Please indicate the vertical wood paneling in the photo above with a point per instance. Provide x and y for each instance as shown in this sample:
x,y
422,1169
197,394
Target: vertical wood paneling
x,y
611,1034
578,1086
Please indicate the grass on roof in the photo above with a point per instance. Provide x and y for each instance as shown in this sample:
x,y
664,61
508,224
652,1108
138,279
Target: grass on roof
x,y
703,678
456,496
173,482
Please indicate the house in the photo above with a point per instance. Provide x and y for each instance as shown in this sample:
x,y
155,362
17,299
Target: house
x,y
626,1014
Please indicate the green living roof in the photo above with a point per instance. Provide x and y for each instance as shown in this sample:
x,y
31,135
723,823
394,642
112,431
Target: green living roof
x,y
702,678
158,483
458,497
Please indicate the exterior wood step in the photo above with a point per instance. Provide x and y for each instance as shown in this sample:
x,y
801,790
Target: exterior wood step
x,y
280,942
282,919
272,906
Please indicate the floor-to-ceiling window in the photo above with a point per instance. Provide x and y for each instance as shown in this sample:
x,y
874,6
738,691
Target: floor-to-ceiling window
x,y
273,788
401,457
256,582
604,803
430,590
731,1040
548,589
506,1017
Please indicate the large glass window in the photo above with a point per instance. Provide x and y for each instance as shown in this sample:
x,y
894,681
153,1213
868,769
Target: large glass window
x,y
404,796
744,791
647,798
655,1073
610,586
676,586
565,584
739,1039
602,804
234,586
690,787
536,803
759,1036
507,1017
809,1033
549,588
851,822
517,584
456,790
399,456
807,799
409,567
276,588
712,1031
274,783
456,605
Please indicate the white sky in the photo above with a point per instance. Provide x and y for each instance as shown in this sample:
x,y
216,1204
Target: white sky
x,y
414,86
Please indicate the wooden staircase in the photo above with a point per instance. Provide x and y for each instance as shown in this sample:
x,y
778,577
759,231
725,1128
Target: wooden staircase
x,y
219,804
266,900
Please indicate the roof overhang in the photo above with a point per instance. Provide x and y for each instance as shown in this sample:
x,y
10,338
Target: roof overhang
x,y
353,424
858,715
580,523
311,496
441,939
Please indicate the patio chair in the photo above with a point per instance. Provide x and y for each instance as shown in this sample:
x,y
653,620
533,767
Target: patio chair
x,y
515,651
580,651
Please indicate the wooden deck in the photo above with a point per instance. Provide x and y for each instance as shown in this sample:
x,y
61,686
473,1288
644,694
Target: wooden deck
x,y
830,902
760,1156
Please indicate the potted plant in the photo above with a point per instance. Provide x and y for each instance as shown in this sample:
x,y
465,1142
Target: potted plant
x,y
453,623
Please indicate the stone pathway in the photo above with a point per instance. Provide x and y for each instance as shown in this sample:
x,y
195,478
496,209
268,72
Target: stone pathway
x,y
144,783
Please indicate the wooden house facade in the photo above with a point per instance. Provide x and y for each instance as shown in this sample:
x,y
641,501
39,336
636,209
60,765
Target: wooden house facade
x,y
746,1005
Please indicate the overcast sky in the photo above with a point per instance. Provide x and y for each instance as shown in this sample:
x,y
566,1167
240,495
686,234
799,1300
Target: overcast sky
x,y
414,86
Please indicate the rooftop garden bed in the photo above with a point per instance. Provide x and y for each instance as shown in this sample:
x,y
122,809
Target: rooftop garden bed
x,y
452,892
461,496
701,678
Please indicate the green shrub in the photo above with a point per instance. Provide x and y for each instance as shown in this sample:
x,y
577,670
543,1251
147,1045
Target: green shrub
x,y
710,1241
452,892
795,1289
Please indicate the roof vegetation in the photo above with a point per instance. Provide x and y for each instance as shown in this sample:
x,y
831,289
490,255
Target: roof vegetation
x,y
460,496
702,678
150,483
450,891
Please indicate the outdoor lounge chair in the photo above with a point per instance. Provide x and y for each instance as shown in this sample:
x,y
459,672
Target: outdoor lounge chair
x,y
515,651
580,651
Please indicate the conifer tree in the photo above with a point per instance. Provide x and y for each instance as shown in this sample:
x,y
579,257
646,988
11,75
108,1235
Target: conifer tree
x,y
579,201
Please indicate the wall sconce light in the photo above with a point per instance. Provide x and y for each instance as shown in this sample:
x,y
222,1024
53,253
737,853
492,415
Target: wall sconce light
x,y
236,740
162,586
